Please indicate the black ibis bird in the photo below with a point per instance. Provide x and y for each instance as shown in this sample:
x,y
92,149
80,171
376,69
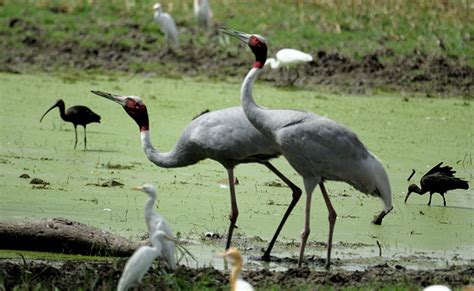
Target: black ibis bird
x,y
318,148
438,180
225,136
77,115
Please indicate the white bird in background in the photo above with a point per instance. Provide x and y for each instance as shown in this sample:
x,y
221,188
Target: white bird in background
x,y
203,12
225,136
288,57
141,260
318,148
156,222
236,282
167,25
437,288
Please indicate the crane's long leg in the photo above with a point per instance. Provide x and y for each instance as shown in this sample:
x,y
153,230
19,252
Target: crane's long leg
x,y
85,138
309,184
295,197
332,221
75,131
234,212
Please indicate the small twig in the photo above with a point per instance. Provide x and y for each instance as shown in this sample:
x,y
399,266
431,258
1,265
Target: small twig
x,y
412,173
380,248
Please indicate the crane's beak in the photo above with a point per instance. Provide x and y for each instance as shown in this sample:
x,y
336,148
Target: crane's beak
x,y
116,98
406,197
55,105
240,35
171,239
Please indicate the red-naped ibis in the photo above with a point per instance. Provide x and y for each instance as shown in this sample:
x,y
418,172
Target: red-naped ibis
x,y
318,148
77,115
438,180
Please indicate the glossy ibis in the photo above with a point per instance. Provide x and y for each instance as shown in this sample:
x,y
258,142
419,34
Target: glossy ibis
x,y
318,148
225,136
77,115
438,180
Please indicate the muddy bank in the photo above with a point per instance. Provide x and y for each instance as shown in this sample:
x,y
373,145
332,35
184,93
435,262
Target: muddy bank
x,y
27,47
72,275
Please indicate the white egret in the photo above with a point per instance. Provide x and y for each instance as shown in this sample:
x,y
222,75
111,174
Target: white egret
x,y
203,12
236,282
225,136
156,222
318,148
167,25
288,57
141,260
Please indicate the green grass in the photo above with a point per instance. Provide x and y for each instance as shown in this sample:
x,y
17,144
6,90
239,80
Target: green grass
x,y
353,27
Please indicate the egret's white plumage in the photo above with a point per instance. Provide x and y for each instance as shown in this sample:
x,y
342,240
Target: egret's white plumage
x,y
225,136
317,147
203,12
437,288
236,282
167,25
155,223
141,260
288,57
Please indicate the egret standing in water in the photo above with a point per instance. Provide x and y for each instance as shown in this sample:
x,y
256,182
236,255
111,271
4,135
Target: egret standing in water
x,y
318,148
162,241
167,25
77,115
155,222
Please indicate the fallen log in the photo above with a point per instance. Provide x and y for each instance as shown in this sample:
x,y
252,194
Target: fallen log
x,y
62,235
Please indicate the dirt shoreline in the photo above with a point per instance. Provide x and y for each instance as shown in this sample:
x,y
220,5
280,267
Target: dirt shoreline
x,y
103,275
139,52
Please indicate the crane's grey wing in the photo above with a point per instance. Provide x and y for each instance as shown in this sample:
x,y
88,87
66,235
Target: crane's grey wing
x,y
228,135
322,144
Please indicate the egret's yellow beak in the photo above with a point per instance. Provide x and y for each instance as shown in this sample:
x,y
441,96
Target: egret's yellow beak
x,y
137,188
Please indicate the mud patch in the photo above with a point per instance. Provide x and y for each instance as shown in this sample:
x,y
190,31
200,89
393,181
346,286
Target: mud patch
x,y
136,51
104,275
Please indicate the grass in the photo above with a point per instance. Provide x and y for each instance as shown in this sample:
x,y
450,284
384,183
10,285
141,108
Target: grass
x,y
354,27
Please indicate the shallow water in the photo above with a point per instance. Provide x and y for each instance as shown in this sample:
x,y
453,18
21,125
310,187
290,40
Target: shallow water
x,y
417,133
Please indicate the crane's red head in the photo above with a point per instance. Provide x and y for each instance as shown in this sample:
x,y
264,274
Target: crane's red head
x,y
133,105
257,44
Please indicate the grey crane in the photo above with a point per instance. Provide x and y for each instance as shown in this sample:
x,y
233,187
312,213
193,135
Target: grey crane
x,y
317,147
225,136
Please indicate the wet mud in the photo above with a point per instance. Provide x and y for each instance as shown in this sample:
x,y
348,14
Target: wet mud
x,y
141,52
104,275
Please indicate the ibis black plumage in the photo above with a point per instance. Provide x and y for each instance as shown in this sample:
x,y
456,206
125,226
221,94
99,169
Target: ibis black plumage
x,y
438,180
77,115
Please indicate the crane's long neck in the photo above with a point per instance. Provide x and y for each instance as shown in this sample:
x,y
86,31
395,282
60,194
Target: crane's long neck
x,y
164,160
257,115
